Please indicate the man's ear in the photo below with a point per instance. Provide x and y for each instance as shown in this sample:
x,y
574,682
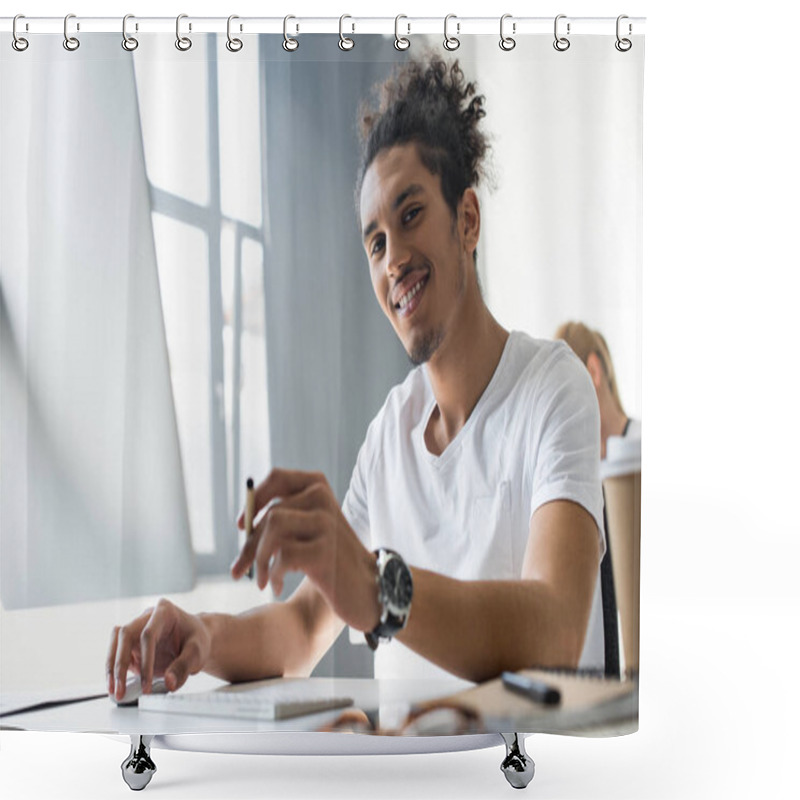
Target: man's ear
x,y
595,367
470,219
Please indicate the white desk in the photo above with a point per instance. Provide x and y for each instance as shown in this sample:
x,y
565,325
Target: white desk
x,y
387,702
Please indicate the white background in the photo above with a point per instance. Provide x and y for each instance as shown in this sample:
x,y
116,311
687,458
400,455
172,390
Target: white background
x,y
720,609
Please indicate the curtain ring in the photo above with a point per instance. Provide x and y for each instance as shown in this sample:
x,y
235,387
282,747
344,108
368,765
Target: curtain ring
x,y
18,42
183,43
561,43
623,45
451,42
290,44
400,42
233,45
70,42
506,42
344,42
129,43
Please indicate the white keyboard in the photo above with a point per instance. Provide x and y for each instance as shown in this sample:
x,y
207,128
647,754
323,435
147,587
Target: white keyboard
x,y
281,699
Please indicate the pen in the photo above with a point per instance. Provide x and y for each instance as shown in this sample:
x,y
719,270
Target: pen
x,y
249,508
532,689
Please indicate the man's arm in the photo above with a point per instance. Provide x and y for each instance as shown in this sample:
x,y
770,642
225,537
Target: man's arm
x,y
474,629
477,629
276,639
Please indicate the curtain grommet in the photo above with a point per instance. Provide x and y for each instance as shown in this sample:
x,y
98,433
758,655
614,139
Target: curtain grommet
x,y
290,43
346,44
70,43
401,42
561,43
451,43
183,43
623,44
507,43
19,43
129,43
233,44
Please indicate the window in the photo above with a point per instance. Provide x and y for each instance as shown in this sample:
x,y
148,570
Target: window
x,y
204,144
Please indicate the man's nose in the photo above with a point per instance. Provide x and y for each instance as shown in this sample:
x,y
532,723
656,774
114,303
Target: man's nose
x,y
397,256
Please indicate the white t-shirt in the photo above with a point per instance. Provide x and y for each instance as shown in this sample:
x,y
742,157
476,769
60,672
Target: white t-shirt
x,y
533,437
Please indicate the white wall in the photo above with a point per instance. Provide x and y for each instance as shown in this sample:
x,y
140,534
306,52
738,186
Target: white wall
x,y
561,228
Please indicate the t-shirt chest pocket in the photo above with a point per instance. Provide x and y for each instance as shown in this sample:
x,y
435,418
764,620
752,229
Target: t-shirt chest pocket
x,y
489,550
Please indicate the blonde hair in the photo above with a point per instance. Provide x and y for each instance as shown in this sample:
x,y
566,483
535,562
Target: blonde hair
x,y
584,341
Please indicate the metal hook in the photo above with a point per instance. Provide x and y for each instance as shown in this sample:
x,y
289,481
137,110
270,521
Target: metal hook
x,y
451,42
561,43
19,43
290,44
183,43
233,45
506,42
344,42
70,42
400,42
623,45
129,43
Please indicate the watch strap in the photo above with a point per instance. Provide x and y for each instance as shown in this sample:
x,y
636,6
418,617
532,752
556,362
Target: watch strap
x,y
389,623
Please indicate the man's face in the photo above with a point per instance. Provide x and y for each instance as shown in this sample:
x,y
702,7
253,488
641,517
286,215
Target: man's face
x,y
419,262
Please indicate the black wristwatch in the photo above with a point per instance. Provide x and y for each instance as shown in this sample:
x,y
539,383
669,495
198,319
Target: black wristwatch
x,y
395,589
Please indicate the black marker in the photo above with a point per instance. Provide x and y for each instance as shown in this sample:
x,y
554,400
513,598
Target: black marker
x,y
534,690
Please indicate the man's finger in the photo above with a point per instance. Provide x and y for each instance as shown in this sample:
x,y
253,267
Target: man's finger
x,y
186,664
284,483
127,637
295,488
293,555
127,640
315,495
283,525
276,571
280,520
248,552
111,659
149,639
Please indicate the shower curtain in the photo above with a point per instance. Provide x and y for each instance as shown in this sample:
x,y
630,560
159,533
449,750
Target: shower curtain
x,y
185,300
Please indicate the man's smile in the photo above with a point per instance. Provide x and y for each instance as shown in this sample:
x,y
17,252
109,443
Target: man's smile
x,y
408,294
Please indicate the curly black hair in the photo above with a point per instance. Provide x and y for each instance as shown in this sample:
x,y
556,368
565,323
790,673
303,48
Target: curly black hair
x,y
431,104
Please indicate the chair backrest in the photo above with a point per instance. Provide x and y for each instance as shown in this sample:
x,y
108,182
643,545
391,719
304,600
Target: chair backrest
x,y
622,487
610,616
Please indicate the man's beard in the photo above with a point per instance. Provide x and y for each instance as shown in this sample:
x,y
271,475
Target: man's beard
x,y
423,350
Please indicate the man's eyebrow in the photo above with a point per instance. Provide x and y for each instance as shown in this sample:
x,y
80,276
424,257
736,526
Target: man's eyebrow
x,y
409,191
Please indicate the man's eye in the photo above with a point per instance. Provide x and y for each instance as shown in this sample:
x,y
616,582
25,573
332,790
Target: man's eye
x,y
411,213
377,245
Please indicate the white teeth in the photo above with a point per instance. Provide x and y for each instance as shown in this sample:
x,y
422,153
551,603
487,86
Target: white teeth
x,y
406,298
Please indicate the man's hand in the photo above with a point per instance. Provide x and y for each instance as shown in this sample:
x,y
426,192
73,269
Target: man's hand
x,y
164,640
306,531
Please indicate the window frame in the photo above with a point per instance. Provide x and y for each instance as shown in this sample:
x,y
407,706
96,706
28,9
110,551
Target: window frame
x,y
210,219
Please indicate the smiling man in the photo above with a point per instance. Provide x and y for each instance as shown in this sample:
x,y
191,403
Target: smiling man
x,y
471,535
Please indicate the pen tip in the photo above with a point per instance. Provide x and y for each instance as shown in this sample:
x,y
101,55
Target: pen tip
x,y
249,483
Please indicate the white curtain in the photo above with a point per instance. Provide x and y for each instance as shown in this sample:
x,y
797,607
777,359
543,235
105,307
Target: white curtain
x,y
126,395
87,410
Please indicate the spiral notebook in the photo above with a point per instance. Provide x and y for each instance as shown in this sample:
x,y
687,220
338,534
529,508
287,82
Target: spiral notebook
x,y
590,704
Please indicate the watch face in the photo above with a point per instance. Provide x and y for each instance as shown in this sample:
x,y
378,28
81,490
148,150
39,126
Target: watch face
x,y
397,584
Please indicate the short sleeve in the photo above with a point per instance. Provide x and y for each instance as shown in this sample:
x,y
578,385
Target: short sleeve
x,y
354,506
566,439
